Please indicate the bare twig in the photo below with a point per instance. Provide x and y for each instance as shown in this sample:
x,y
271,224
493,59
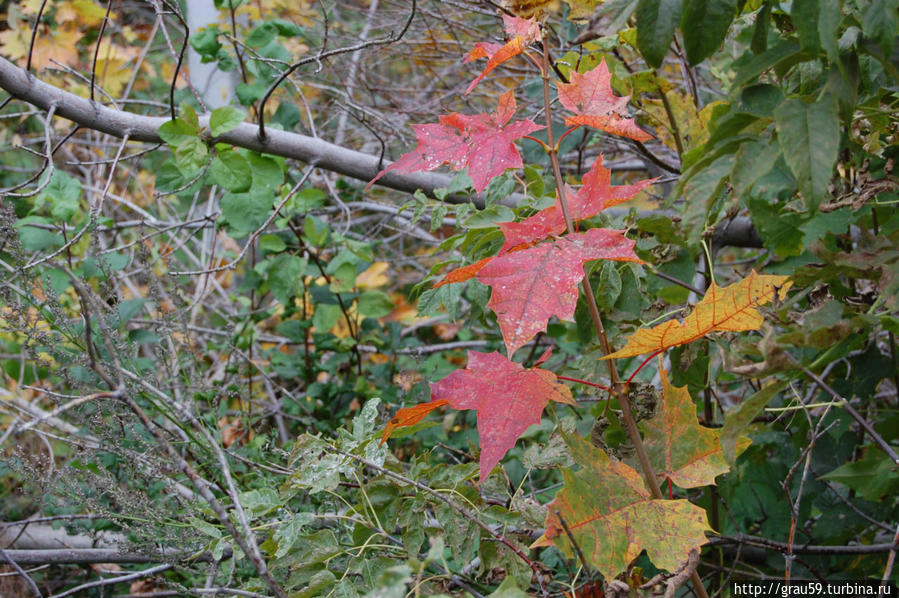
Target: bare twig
x,y
12,561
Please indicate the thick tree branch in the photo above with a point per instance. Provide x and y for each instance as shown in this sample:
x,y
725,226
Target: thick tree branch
x,y
737,232
119,123
86,556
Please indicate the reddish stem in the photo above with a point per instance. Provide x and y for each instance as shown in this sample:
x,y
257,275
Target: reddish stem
x,y
645,361
579,381
565,134
537,141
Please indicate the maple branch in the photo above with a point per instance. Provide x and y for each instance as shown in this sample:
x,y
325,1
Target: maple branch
x,y
577,548
618,391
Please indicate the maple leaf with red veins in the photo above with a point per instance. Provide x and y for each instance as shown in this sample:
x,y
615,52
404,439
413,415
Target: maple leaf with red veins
x,y
481,142
596,194
590,96
522,31
532,285
508,397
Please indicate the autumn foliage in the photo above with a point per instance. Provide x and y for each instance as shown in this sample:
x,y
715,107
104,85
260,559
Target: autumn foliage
x,y
535,277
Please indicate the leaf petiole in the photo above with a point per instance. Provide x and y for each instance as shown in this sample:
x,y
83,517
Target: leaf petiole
x,y
579,381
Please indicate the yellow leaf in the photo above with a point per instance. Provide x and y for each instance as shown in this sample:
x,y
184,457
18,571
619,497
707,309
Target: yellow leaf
x,y
56,44
731,308
30,7
374,276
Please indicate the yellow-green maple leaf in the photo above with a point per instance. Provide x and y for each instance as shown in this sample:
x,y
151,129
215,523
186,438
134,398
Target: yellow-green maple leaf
x,y
613,518
732,308
679,448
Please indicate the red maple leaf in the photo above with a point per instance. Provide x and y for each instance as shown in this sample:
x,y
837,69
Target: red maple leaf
x,y
593,197
522,32
532,285
590,96
508,397
481,142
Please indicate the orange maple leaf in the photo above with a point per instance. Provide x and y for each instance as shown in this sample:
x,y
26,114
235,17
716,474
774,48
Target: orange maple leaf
x,y
522,33
590,97
731,308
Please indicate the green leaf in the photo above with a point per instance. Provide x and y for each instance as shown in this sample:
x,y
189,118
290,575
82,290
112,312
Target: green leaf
x,y
315,231
754,160
247,93
759,41
230,170
829,27
246,212
756,65
174,132
761,100
260,501
344,278
189,115
462,535
304,201
804,14
736,421
488,217
207,528
880,22
809,135
285,277
289,533
63,193
508,589
778,226
37,239
225,119
272,244
375,304
656,21
206,43
873,477
128,309
326,316
190,156
704,24
315,467
267,171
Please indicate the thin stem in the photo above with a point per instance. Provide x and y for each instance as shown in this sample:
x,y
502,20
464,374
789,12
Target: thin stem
x,y
579,381
645,361
675,130
566,133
